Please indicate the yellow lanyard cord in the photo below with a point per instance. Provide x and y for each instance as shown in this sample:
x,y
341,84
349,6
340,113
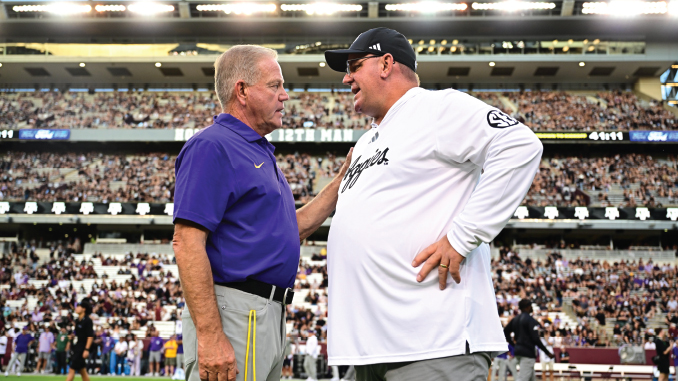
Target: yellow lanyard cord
x,y
254,345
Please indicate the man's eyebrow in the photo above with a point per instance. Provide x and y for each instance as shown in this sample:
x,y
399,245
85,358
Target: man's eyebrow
x,y
276,82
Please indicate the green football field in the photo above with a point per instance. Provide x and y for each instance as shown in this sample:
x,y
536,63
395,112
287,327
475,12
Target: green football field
x,y
40,377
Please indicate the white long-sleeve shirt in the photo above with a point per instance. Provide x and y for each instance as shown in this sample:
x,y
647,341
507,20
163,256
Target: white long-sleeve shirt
x,y
415,179
312,346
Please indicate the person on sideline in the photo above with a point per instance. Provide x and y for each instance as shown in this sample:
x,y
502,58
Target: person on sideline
x,y
413,200
237,232
171,348
525,330
121,348
663,354
546,361
82,341
20,351
155,354
311,357
45,344
62,346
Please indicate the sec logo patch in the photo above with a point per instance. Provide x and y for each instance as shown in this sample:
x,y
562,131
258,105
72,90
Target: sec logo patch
x,y
498,119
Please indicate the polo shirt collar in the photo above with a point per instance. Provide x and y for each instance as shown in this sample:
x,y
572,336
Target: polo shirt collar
x,y
237,126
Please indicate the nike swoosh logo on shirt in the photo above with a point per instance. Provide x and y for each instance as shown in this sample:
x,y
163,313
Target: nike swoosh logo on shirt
x,y
258,166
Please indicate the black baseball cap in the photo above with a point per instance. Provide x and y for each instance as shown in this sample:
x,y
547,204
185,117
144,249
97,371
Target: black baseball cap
x,y
377,41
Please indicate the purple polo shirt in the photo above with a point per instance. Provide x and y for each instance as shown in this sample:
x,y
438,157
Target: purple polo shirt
x,y
156,344
228,181
107,344
180,350
22,342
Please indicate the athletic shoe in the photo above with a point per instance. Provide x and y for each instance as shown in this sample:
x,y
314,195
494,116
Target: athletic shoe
x,y
6,374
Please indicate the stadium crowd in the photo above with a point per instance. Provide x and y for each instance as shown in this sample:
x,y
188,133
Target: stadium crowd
x,y
621,180
637,179
613,303
541,110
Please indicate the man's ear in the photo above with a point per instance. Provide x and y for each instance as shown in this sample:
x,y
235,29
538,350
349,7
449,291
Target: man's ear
x,y
387,66
240,92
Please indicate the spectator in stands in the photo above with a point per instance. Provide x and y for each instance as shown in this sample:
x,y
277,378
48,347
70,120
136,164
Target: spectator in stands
x,y
61,346
45,346
121,348
564,356
20,351
171,348
155,355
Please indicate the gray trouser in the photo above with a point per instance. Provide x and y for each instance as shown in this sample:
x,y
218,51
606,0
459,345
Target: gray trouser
x,y
180,360
469,367
310,366
17,357
526,369
350,373
234,308
499,367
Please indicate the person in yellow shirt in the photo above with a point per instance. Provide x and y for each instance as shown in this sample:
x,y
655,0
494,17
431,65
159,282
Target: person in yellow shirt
x,y
171,347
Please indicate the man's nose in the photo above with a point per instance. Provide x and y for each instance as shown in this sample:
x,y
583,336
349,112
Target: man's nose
x,y
284,96
347,79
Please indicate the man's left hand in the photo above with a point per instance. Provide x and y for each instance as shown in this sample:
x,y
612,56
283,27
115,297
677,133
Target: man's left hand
x,y
440,253
85,354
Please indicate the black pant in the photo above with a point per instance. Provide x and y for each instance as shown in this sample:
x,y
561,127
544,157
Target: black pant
x,y
61,363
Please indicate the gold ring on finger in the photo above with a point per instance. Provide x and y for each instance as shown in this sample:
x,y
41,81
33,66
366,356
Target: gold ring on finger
x,y
443,266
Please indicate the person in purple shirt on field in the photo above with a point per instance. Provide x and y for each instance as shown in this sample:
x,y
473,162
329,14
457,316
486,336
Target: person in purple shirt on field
x,y
155,354
107,344
237,230
20,352
180,352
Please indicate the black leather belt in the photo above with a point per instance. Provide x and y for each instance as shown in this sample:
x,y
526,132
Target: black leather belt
x,y
251,286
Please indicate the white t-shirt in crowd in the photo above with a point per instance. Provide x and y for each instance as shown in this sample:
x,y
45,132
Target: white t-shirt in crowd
x,y
543,357
120,347
3,345
312,347
415,179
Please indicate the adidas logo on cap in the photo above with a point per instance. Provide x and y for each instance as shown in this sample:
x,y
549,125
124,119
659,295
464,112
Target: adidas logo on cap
x,y
376,47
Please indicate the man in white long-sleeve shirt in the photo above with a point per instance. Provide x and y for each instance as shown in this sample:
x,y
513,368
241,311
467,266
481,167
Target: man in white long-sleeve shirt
x,y
436,179
312,352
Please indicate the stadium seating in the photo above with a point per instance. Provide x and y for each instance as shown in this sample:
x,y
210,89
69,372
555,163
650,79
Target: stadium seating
x,y
542,111
622,180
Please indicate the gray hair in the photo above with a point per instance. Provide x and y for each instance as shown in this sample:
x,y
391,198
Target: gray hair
x,y
240,62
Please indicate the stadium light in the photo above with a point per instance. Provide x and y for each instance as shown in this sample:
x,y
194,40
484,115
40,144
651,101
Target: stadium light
x,y
0,64
110,8
150,8
238,8
492,64
321,8
158,64
511,6
626,8
82,64
56,8
582,64
673,8
321,64
427,7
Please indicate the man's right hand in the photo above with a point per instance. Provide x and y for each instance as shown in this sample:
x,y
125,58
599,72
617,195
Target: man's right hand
x,y
216,359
